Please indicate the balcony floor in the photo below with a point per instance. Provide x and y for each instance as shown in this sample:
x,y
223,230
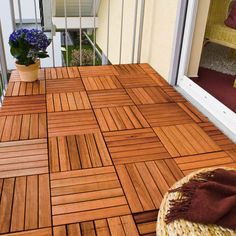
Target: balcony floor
x,y
92,150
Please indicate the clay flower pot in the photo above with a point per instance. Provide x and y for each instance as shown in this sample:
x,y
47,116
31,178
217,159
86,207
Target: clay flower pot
x,y
29,73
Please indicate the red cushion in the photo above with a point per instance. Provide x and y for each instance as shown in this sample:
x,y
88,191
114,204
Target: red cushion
x,y
231,20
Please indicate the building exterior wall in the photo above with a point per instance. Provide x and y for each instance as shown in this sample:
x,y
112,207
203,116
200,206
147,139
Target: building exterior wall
x,y
159,29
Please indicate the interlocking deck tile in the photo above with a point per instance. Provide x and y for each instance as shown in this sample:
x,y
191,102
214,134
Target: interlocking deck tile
x,y
25,203
134,145
177,97
129,69
22,127
186,139
21,158
62,73
67,101
145,183
120,118
71,123
19,88
136,81
149,95
86,195
147,68
64,85
101,83
78,152
146,222
93,71
221,139
164,114
109,98
23,105
189,164
120,225
36,232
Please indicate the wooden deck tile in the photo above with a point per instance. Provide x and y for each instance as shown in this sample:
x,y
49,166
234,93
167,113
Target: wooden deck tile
x,y
146,222
221,139
121,225
109,98
67,101
62,73
25,204
23,105
37,232
129,69
189,164
93,71
74,122
145,183
149,95
64,86
101,83
177,97
164,114
94,194
22,127
136,81
21,158
78,152
120,118
187,139
147,68
19,88
15,77
134,146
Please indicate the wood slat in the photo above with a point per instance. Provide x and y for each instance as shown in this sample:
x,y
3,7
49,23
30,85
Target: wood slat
x,y
22,127
149,95
67,101
93,71
136,81
177,97
101,83
133,146
37,232
62,73
78,152
189,164
109,98
187,139
64,86
87,205
23,105
164,114
145,183
74,122
120,118
129,69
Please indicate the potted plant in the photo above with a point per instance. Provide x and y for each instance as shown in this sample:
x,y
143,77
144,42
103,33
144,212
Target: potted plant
x,y
28,46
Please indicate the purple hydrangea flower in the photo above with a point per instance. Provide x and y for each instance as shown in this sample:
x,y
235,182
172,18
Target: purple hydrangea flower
x,y
17,34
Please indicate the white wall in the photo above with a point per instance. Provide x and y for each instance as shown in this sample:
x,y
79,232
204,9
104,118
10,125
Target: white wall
x,y
159,27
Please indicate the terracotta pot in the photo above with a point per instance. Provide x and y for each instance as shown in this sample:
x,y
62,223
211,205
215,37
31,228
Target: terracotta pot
x,y
29,73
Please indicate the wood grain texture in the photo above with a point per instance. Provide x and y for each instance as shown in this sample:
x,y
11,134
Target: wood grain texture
x,y
109,98
70,101
23,105
74,122
62,73
25,204
120,118
101,83
149,95
78,152
134,146
23,158
93,71
83,204
164,114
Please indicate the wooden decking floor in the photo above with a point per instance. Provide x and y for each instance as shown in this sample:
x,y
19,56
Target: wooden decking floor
x,y
92,150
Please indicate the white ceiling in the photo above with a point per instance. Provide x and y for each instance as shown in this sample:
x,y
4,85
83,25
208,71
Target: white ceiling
x,y
72,7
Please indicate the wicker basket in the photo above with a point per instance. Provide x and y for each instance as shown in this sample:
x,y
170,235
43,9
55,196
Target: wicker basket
x,y
183,227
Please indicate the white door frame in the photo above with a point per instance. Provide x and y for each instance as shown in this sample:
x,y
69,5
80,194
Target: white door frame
x,y
217,112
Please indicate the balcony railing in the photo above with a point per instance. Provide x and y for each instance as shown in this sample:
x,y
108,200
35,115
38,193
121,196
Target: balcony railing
x,y
43,15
